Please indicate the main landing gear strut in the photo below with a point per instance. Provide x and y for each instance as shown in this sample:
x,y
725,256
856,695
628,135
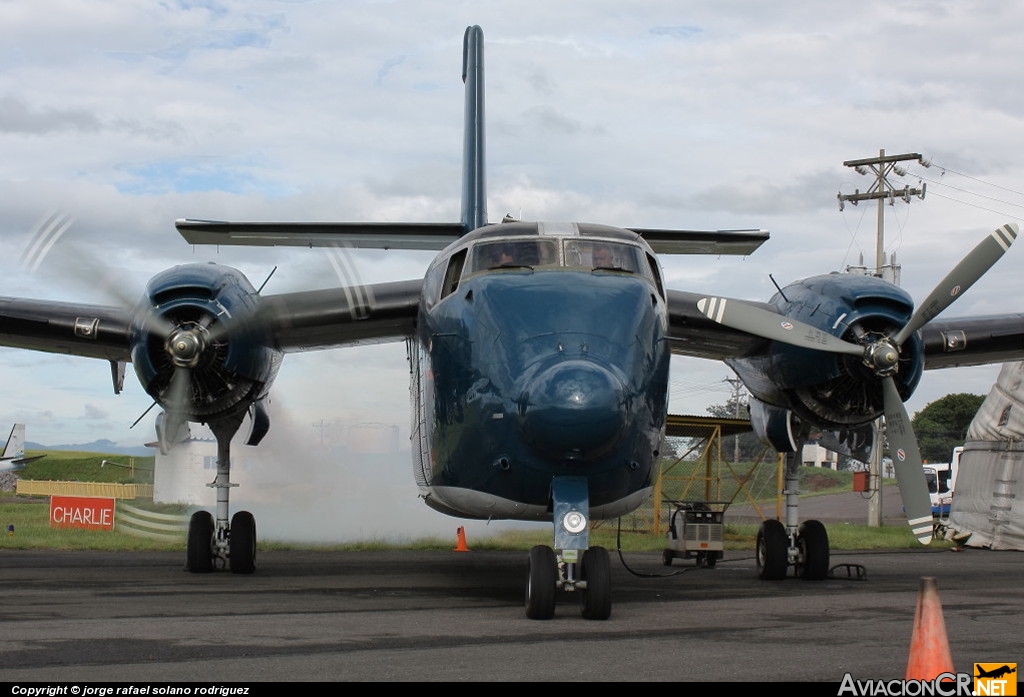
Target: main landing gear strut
x,y
213,543
575,568
804,547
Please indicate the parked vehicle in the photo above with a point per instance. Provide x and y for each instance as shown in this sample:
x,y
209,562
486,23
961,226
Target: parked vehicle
x,y
941,478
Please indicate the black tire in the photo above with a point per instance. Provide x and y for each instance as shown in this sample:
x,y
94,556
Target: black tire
x,y
772,551
812,540
199,548
711,559
667,556
242,543
541,577
596,598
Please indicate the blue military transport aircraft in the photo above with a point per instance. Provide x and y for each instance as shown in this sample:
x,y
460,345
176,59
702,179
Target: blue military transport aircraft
x,y
540,363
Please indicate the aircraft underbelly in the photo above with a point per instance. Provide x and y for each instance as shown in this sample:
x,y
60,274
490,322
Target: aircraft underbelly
x,y
469,503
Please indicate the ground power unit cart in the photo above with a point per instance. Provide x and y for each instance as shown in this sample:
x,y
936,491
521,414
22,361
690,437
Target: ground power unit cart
x,y
696,531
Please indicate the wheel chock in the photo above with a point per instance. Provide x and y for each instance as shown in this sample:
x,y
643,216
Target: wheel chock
x,y
856,572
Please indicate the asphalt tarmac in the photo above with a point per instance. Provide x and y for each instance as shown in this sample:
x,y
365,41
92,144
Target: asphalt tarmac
x,y
849,507
139,618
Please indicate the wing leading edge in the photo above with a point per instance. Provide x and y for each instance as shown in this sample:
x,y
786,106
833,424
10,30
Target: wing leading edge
x,y
348,316
433,236
948,343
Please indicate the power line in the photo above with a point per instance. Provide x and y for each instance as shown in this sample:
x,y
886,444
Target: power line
x,y
967,176
979,207
941,183
967,191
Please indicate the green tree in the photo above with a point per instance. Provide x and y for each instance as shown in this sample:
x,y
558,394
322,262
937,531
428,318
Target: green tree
x,y
749,445
942,425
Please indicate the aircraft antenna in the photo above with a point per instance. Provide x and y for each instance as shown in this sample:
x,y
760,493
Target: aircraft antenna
x,y
148,409
272,271
778,288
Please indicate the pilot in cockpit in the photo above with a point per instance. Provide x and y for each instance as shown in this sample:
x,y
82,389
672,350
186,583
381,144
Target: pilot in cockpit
x,y
602,258
504,255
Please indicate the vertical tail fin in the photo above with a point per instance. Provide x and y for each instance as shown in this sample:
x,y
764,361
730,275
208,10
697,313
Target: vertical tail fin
x,y
474,180
14,452
15,448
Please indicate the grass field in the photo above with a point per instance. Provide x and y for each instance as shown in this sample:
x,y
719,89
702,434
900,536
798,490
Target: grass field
x,y
24,521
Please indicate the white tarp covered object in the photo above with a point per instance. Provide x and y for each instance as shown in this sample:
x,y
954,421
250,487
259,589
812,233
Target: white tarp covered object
x,y
988,501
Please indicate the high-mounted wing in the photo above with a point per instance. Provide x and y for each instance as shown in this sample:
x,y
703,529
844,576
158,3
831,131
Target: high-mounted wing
x,y
309,320
964,341
428,236
94,331
433,236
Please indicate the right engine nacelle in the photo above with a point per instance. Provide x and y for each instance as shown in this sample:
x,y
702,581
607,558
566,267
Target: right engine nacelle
x,y
831,390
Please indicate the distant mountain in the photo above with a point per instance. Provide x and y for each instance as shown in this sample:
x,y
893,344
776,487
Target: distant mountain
x,y
104,446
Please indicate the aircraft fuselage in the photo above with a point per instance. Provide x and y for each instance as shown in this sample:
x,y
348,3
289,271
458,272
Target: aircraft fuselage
x,y
536,368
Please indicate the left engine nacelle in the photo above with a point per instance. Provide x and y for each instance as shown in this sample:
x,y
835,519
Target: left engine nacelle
x,y
831,390
198,348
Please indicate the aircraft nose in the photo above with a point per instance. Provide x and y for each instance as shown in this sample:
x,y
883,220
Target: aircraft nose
x,y
574,409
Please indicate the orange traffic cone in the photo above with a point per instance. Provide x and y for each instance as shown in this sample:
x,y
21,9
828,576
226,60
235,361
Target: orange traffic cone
x,y
929,646
460,546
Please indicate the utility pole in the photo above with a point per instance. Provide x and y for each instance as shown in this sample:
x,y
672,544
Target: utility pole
x,y
737,388
322,425
881,190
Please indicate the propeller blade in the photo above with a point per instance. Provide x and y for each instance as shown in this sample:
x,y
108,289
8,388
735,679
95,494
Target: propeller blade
x,y
769,325
906,460
178,393
171,429
81,265
963,276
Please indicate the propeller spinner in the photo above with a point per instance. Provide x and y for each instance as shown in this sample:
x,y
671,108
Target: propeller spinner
x,y
881,355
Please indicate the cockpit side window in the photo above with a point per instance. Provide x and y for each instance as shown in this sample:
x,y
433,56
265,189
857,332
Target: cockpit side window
x,y
652,264
454,273
432,284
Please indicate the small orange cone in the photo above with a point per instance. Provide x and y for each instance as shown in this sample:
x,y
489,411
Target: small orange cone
x,y
929,646
461,544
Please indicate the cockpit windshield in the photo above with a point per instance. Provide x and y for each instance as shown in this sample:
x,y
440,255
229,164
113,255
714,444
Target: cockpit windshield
x,y
570,253
512,253
595,255
602,254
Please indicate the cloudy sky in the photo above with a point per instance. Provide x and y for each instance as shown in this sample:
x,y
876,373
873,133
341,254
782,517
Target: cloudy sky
x,y
120,116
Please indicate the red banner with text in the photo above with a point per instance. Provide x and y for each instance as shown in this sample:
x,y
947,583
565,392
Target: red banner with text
x,y
81,512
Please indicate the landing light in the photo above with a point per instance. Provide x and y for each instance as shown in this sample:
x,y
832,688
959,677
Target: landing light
x,y
574,522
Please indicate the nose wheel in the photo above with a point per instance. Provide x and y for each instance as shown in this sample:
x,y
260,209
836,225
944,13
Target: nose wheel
x,y
591,578
541,580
